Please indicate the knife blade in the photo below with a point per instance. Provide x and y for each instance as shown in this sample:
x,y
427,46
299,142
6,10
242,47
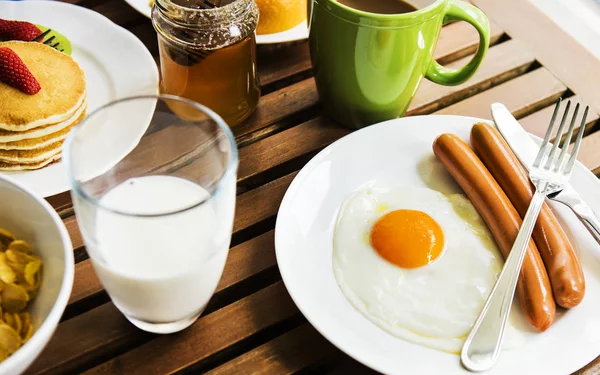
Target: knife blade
x,y
526,149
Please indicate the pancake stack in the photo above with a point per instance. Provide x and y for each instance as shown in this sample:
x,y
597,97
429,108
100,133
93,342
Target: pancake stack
x,y
33,127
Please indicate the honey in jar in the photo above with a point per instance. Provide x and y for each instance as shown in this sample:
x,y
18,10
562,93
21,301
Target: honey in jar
x,y
208,54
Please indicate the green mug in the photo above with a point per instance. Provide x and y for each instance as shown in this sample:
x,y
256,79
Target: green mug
x,y
368,66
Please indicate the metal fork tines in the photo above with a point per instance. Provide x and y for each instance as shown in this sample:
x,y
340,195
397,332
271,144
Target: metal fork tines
x,y
550,172
49,41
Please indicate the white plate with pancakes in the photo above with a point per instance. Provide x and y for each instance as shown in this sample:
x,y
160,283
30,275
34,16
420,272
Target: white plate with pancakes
x,y
338,196
115,64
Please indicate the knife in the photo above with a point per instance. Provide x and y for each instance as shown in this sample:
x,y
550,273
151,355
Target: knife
x,y
526,149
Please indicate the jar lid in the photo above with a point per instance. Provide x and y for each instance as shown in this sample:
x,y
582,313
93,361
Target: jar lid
x,y
207,24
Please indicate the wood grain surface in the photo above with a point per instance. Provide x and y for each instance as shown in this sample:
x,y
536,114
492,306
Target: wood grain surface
x,y
251,325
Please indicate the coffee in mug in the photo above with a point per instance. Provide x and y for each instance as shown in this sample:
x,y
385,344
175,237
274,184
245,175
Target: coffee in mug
x,y
369,56
380,6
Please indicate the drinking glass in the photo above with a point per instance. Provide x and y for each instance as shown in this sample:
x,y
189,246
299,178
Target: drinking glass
x,y
153,185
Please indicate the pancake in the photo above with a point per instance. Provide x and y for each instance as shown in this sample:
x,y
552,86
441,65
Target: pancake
x,y
10,136
31,166
63,89
30,156
40,142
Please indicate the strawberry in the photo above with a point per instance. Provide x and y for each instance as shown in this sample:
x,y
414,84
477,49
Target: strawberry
x,y
14,73
18,30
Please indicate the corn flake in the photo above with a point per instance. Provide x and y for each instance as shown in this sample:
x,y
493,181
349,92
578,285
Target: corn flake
x,y
20,245
20,277
7,274
6,237
9,339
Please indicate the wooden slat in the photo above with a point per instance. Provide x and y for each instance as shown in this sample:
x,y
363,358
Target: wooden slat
x,y
86,283
503,62
277,62
522,95
60,201
261,203
287,354
555,49
460,39
85,337
287,145
537,123
209,335
248,259
275,107
74,232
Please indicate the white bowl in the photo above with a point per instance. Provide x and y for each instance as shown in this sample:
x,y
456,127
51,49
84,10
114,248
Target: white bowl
x,y
32,219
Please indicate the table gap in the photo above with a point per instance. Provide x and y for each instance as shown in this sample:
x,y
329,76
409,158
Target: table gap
x,y
252,231
288,122
91,302
278,171
286,81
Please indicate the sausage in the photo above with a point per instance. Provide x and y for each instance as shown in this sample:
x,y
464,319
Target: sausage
x,y
562,265
533,288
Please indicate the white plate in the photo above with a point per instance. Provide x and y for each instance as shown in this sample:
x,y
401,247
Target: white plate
x,y
299,32
115,62
395,153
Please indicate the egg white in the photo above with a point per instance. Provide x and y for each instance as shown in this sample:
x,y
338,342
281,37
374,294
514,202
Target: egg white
x,y
435,305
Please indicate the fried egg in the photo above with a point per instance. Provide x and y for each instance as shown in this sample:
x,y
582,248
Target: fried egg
x,y
417,263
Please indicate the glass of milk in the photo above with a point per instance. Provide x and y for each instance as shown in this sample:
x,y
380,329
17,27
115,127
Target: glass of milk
x,y
153,183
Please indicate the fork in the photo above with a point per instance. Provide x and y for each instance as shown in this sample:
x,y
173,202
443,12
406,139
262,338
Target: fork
x,y
49,41
549,176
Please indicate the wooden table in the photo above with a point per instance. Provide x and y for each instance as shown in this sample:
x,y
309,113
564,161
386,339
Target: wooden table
x,y
251,324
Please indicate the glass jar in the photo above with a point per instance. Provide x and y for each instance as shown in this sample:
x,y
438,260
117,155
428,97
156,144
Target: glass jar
x,y
208,55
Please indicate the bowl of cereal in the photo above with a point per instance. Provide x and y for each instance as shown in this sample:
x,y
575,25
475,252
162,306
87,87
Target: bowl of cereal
x,y
36,274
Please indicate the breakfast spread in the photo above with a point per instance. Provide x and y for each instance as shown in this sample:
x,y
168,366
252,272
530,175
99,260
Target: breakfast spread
x,y
421,264
39,108
19,284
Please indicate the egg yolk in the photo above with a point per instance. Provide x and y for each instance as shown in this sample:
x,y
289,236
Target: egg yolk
x,y
407,238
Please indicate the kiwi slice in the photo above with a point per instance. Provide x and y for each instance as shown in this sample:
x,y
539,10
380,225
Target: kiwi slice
x,y
64,45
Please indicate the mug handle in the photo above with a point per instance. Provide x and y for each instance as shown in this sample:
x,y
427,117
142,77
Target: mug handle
x,y
462,11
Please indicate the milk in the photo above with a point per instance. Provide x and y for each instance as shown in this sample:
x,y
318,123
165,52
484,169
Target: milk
x,y
162,268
